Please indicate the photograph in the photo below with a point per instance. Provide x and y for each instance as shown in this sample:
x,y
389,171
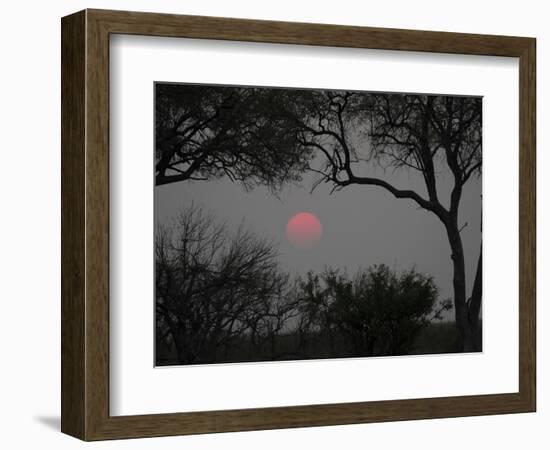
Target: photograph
x,y
303,224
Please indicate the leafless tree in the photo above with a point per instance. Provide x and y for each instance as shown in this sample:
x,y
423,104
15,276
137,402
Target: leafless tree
x,y
213,287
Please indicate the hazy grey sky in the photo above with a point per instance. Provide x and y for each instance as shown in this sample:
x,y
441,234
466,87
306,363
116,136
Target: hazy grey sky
x,y
362,225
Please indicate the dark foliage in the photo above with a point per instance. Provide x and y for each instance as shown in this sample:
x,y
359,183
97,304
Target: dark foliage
x,y
377,312
204,132
271,136
222,297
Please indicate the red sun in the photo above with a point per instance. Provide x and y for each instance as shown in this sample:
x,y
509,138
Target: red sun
x,y
303,230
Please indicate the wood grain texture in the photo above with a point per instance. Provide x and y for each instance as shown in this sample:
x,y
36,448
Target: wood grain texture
x,y
73,225
527,224
85,224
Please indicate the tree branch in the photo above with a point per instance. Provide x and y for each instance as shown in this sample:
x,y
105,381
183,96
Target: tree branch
x,y
434,207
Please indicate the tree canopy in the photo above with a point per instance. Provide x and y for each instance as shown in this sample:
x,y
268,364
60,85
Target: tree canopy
x,y
206,132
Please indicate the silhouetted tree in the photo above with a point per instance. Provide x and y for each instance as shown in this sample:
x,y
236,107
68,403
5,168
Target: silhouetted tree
x,y
273,322
431,135
213,287
204,132
375,313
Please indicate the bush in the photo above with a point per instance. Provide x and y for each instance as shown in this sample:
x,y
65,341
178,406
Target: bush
x,y
377,312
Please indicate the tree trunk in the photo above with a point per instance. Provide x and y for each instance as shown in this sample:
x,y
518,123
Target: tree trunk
x,y
474,305
185,356
465,336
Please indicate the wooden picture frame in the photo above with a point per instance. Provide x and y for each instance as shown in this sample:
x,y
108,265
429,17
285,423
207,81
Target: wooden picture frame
x,y
85,224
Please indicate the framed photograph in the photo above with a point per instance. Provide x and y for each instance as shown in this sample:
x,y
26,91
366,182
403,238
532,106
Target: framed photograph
x,y
272,225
